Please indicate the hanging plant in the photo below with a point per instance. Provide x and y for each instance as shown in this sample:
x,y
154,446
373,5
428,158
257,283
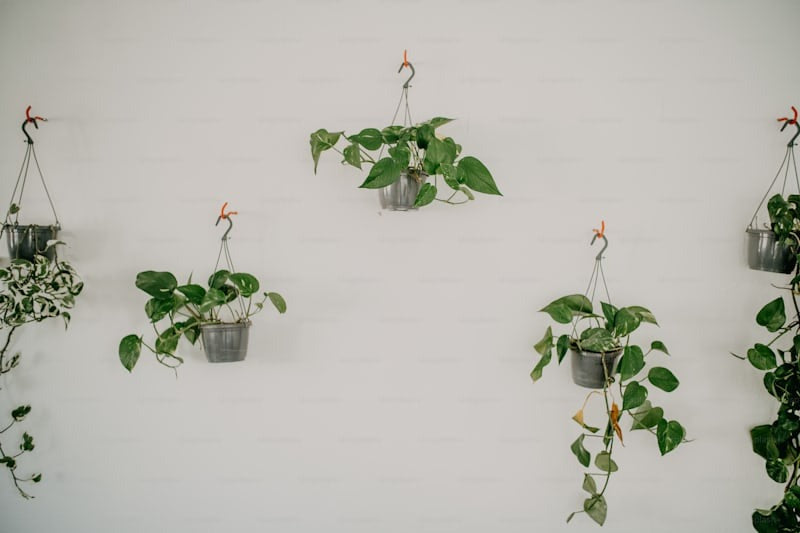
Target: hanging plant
x,y
415,154
595,343
773,248
778,443
219,313
30,292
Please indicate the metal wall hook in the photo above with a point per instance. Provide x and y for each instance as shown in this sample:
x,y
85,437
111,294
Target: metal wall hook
x,y
796,125
601,233
786,121
28,119
409,65
226,216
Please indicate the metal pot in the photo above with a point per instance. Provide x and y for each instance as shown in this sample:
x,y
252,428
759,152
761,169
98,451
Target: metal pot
x,y
24,242
587,367
765,252
225,343
400,195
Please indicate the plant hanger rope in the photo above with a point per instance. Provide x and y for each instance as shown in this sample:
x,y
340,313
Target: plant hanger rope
x,y
19,186
597,272
224,249
788,161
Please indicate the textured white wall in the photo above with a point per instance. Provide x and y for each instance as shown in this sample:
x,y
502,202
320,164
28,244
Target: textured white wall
x,y
394,395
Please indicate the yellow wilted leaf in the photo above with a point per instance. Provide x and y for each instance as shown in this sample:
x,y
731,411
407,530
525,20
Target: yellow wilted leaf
x,y
615,421
578,417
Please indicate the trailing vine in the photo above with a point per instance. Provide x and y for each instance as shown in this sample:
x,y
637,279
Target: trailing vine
x,y
29,292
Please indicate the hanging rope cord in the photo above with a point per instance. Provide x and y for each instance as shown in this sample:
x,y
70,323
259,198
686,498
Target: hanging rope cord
x,y
224,250
597,276
788,162
22,179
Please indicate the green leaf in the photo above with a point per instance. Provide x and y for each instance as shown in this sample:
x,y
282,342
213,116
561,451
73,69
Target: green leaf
x,y
426,195
669,435
563,309
763,442
609,311
562,345
320,141
13,210
392,134
663,379
634,396
27,443
246,283
632,362
382,174
597,508
212,299
536,373
20,413
776,470
476,176
762,357
278,301
425,135
659,346
604,462
436,155
625,322
194,293
37,478
157,284
167,342
589,485
643,314
352,155
158,308
773,315
584,457
597,340
218,279
10,463
545,345
401,154
369,138
646,416
438,121
130,347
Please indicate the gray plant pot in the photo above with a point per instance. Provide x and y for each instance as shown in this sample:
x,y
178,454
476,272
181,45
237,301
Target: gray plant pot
x,y
26,241
400,195
225,343
765,252
587,367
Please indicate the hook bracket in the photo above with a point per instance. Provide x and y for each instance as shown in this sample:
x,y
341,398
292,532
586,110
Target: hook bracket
x,y
600,234
226,216
29,119
786,121
406,63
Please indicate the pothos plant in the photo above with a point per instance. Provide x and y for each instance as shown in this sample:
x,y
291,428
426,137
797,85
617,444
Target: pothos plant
x,y
30,292
778,443
604,334
417,150
184,309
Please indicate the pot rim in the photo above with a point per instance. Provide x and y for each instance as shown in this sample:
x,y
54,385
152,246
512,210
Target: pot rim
x,y
759,231
226,325
17,226
588,353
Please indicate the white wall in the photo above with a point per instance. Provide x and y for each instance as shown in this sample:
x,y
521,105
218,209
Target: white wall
x,y
394,395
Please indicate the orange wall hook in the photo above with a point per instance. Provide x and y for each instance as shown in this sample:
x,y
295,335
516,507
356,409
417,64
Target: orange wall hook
x,y
600,233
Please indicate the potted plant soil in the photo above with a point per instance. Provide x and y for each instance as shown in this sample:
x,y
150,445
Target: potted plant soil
x,y
604,359
27,240
418,164
765,249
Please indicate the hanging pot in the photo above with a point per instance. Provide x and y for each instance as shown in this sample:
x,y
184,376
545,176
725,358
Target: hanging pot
x,y
400,195
765,252
587,367
24,242
225,343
